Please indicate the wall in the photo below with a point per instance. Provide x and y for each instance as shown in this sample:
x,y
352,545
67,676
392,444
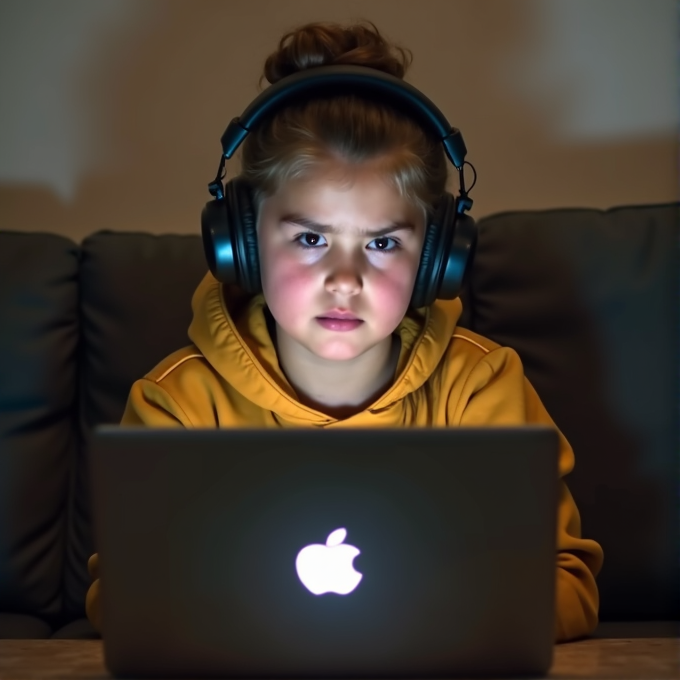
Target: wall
x,y
111,111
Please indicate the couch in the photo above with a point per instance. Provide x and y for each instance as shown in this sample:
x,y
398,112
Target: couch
x,y
588,298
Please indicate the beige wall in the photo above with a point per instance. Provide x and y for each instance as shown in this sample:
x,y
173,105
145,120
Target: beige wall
x,y
111,110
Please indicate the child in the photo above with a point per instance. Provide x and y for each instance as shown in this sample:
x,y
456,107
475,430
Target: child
x,y
342,188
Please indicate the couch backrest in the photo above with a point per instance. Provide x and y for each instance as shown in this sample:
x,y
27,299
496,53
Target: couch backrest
x,y
39,333
135,309
77,326
588,298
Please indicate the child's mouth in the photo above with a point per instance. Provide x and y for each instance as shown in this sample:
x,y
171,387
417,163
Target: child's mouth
x,y
339,322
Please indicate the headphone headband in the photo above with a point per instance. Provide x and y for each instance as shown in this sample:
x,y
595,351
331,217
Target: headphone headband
x,y
332,80
229,223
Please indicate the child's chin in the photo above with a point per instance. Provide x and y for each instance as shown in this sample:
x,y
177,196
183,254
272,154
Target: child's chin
x,y
338,352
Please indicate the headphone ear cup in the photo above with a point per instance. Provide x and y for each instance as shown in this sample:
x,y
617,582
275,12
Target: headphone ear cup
x,y
449,240
217,241
243,217
229,230
459,255
426,286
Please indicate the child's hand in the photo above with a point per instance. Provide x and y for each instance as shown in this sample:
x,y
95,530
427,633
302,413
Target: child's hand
x,y
93,566
93,600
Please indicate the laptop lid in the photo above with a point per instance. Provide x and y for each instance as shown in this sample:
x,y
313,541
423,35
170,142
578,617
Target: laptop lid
x,y
327,553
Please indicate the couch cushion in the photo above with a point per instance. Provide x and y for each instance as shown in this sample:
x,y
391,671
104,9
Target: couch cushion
x,y
80,629
136,308
38,343
589,299
23,627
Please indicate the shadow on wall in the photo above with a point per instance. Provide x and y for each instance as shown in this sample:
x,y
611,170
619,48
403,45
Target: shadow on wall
x,y
160,92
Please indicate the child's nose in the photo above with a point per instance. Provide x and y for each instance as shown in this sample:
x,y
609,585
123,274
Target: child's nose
x,y
344,281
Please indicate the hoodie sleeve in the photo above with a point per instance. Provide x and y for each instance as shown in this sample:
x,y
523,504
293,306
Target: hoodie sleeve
x,y
498,393
150,405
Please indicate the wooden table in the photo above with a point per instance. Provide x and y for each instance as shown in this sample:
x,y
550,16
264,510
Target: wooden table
x,y
620,658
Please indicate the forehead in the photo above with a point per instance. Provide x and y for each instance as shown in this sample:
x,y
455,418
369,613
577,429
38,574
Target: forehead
x,y
339,194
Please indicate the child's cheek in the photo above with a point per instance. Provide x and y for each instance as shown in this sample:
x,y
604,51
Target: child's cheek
x,y
399,279
292,275
289,289
392,293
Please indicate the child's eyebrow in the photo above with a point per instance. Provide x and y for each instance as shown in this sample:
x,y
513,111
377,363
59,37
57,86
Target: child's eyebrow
x,y
330,229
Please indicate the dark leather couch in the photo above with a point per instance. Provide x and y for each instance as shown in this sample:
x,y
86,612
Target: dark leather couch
x,y
588,298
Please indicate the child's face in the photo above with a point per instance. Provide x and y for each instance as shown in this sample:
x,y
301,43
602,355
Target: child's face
x,y
339,255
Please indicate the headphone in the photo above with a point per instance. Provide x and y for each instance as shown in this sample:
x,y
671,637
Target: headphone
x,y
229,221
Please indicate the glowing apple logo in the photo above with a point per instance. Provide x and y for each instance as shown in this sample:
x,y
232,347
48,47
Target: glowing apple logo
x,y
328,568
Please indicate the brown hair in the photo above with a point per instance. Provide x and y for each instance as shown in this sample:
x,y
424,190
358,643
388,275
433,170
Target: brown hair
x,y
302,136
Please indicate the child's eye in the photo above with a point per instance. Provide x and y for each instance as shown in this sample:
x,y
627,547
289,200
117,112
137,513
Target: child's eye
x,y
384,244
309,239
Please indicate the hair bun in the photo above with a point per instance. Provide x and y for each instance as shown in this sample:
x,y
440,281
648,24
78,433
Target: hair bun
x,y
326,44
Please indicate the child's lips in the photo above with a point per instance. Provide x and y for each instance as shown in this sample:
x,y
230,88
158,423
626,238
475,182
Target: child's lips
x,y
343,314
338,321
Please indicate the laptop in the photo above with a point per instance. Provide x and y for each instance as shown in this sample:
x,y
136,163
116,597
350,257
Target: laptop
x,y
410,552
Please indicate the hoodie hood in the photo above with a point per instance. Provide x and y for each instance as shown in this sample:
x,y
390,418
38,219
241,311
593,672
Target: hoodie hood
x,y
229,328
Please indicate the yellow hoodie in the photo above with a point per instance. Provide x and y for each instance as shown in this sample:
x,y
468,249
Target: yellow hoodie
x,y
446,376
